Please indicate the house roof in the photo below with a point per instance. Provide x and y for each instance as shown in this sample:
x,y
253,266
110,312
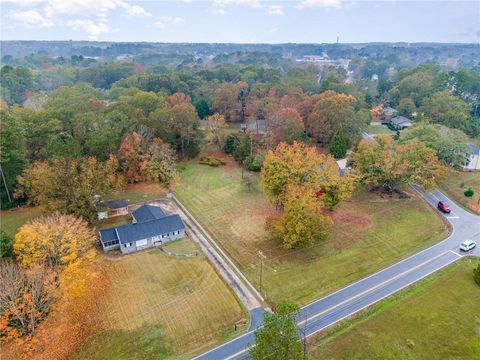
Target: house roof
x,y
108,235
474,150
147,213
115,204
400,120
144,230
259,125
139,231
389,111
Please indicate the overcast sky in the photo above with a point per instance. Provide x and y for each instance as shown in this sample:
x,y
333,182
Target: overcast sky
x,y
242,21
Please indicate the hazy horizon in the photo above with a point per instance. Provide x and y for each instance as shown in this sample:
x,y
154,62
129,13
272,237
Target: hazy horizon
x,y
242,21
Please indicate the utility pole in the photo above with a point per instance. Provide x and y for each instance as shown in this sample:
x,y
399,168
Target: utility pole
x,y
262,257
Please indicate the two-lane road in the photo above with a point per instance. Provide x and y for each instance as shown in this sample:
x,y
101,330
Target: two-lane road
x,y
347,301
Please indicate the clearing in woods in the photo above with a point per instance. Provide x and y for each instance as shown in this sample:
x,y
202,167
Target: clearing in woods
x,y
369,233
424,316
160,307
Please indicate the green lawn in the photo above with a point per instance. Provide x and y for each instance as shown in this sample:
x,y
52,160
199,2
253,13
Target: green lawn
x,y
142,192
181,246
438,318
369,233
457,182
11,220
158,307
379,130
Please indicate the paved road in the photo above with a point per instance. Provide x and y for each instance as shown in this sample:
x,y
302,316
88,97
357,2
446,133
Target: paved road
x,y
359,295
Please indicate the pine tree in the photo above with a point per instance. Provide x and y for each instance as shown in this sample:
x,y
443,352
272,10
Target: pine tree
x,y
338,145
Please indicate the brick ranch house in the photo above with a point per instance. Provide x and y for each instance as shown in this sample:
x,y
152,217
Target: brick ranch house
x,y
150,227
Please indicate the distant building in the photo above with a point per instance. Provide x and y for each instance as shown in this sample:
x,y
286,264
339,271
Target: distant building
x,y
473,163
255,126
111,208
400,122
151,227
387,114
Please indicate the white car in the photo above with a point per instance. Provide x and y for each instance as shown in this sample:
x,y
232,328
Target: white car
x,y
467,245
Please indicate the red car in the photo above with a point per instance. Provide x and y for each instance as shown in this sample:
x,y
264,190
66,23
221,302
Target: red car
x,y
443,208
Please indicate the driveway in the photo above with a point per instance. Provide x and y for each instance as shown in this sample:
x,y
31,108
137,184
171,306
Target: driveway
x,y
335,307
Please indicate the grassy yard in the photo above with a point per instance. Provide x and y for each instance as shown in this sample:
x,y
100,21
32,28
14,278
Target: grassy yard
x,y
438,316
181,246
11,220
457,182
141,192
379,130
160,307
369,233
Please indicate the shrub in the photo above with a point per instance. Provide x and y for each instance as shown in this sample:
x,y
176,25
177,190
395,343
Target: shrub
x,y
205,160
476,275
469,192
254,163
6,245
231,144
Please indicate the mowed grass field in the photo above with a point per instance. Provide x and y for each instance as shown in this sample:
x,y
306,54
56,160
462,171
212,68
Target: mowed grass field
x,y
379,130
455,185
160,307
12,219
436,319
369,233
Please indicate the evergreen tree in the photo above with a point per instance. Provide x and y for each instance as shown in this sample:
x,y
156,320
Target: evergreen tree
x,y
338,145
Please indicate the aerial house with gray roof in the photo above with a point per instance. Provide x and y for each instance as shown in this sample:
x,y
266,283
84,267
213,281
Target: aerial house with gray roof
x,y
151,227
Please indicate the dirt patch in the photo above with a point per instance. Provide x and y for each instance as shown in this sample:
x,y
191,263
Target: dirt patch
x,y
349,228
345,216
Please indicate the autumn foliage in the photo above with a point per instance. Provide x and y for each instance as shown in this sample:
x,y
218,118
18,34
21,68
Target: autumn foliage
x,y
385,163
299,164
54,256
57,240
70,186
144,158
302,222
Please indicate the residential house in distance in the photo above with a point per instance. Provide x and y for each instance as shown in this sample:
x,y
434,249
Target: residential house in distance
x,y
387,114
400,122
111,208
151,227
473,163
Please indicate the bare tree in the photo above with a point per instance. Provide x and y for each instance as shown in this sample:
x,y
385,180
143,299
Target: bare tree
x,y
26,297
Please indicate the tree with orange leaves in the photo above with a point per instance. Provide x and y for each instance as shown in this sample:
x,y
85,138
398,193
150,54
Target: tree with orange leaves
x,y
299,164
26,296
286,125
302,222
57,240
177,99
130,156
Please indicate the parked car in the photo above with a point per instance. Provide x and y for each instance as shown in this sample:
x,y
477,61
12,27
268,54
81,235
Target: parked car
x,y
443,208
467,245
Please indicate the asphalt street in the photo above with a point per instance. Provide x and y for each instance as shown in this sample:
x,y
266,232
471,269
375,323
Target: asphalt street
x,y
339,305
